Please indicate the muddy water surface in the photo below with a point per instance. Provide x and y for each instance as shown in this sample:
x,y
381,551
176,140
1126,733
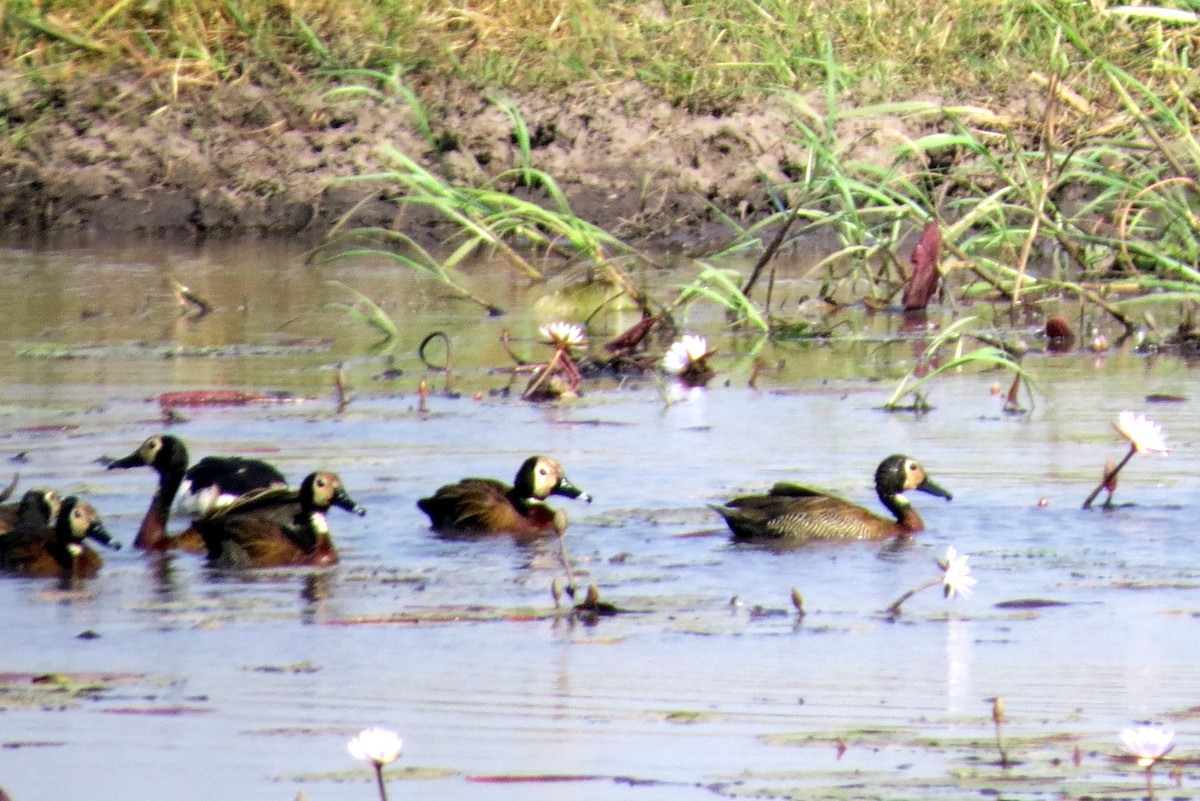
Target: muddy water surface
x,y
203,684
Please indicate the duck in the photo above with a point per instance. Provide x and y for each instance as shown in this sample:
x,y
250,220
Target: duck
x,y
212,482
796,513
46,546
488,506
277,527
39,500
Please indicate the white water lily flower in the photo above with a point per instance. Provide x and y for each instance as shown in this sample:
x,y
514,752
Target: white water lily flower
x,y
689,349
1144,435
562,335
1148,743
957,579
376,745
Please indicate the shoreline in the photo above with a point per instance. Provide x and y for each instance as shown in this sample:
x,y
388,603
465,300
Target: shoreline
x,y
244,161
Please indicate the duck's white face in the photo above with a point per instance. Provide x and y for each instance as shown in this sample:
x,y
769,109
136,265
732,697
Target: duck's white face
x,y
914,474
82,515
150,449
546,476
325,487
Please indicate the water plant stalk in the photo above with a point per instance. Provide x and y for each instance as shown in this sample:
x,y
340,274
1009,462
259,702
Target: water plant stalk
x,y
383,796
894,609
1109,477
997,721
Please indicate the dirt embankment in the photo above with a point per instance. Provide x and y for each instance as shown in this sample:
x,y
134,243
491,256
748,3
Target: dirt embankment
x,y
104,161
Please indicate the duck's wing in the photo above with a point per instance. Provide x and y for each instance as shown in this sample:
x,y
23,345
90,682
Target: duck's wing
x,y
798,513
258,502
219,480
25,547
233,474
8,517
471,505
245,541
786,489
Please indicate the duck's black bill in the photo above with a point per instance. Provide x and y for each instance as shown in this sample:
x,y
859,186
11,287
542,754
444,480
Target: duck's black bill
x,y
569,490
98,533
343,501
933,489
132,460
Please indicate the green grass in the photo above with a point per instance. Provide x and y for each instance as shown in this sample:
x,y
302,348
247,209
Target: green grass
x,y
1059,154
705,54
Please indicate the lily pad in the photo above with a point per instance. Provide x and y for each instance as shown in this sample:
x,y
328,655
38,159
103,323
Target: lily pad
x,y
359,775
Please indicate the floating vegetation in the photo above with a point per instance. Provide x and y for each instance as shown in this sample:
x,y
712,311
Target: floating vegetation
x,y
446,615
221,397
58,691
410,773
688,716
1037,764
294,669
165,350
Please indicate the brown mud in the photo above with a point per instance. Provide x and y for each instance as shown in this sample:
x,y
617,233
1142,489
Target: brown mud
x,y
112,158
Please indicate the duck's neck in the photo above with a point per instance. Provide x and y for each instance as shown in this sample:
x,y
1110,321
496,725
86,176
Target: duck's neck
x,y
64,553
521,500
311,531
906,516
153,532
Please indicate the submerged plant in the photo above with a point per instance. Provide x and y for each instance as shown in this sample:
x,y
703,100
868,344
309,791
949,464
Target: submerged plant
x,y
401,249
956,579
1144,437
721,287
988,356
379,747
367,311
1148,744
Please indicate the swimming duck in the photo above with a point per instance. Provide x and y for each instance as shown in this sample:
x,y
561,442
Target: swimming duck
x,y
488,506
212,482
41,546
790,511
42,502
277,527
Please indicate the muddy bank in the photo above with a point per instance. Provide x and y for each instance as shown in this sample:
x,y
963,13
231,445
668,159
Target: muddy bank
x,y
110,158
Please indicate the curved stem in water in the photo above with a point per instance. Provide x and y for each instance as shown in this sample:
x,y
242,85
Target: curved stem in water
x,y
1109,477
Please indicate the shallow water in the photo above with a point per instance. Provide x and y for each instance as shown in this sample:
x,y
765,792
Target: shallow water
x,y
248,686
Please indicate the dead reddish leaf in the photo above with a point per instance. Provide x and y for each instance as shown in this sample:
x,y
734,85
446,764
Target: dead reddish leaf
x,y
924,282
632,337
